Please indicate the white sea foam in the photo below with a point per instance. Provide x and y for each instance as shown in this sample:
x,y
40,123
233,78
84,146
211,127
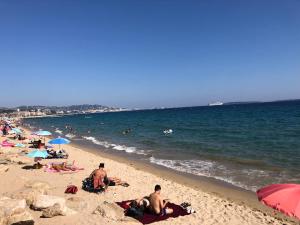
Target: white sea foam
x,y
58,131
125,148
114,146
70,135
211,169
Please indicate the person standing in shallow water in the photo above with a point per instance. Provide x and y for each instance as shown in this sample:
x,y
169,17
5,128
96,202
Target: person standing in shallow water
x,y
157,204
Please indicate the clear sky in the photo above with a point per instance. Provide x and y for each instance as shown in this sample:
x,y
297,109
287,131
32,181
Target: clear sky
x,y
146,53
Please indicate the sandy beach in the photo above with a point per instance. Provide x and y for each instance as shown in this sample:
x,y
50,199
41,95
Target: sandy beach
x,y
211,208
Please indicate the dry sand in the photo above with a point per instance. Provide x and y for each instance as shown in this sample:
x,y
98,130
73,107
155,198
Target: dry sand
x,y
211,209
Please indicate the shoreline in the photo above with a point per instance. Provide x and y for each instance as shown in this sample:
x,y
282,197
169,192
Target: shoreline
x,y
208,185
205,184
205,194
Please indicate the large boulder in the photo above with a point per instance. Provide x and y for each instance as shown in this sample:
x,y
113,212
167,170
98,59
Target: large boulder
x,y
110,211
45,201
12,211
28,194
31,191
57,210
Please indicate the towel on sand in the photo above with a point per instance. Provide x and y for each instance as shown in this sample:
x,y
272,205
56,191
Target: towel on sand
x,y
151,218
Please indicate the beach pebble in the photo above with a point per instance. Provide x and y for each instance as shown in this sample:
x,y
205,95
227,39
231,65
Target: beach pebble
x,y
13,211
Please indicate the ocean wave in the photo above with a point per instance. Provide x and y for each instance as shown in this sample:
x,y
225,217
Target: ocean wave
x,y
114,146
125,148
70,135
212,169
58,131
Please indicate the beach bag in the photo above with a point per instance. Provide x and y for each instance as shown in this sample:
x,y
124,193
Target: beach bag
x,y
87,184
71,189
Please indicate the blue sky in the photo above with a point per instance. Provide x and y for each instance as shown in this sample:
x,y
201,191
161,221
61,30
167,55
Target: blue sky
x,y
139,53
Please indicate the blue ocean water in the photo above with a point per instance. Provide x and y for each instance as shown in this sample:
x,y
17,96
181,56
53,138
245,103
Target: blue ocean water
x,y
249,145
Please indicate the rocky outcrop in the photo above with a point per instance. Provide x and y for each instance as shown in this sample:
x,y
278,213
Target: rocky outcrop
x,y
13,211
52,206
45,201
31,191
57,210
28,194
110,211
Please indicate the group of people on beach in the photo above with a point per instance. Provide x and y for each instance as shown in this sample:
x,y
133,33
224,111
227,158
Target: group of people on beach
x,y
154,203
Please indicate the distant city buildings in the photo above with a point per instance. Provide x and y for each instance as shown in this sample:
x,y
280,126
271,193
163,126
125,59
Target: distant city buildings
x,y
41,111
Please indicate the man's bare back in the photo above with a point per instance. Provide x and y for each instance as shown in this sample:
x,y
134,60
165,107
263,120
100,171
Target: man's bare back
x,y
157,204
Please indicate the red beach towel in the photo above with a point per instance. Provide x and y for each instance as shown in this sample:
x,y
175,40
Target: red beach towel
x,y
150,218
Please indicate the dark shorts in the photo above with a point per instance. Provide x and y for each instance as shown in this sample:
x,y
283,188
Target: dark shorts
x,y
109,182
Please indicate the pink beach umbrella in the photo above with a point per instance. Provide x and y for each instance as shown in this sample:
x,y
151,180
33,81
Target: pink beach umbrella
x,y
283,197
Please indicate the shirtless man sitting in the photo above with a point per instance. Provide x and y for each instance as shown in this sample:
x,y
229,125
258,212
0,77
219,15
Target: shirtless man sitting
x,y
157,204
98,176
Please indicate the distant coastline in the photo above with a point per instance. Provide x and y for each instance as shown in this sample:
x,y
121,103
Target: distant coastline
x,y
56,111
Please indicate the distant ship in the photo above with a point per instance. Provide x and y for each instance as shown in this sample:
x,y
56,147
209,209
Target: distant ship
x,y
215,103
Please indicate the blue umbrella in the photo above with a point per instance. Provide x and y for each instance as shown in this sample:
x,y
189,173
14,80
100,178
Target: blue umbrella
x,y
38,154
59,141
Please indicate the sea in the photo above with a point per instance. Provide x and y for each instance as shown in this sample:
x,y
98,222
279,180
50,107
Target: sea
x,y
247,145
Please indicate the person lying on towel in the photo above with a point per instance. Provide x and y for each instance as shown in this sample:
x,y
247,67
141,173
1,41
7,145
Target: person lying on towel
x,y
63,167
157,204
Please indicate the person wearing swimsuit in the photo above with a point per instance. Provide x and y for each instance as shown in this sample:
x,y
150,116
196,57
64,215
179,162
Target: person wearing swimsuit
x,y
98,177
157,204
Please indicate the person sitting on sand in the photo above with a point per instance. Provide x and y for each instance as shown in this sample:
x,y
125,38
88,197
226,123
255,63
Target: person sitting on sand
x,y
101,181
98,176
157,204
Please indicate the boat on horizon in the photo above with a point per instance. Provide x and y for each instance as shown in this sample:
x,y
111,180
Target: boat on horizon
x,y
215,103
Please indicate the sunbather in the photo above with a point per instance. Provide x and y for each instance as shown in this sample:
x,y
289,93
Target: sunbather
x,y
63,166
157,204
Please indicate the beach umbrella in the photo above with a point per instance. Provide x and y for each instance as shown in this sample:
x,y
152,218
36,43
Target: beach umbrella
x,y
283,197
38,154
42,133
59,141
